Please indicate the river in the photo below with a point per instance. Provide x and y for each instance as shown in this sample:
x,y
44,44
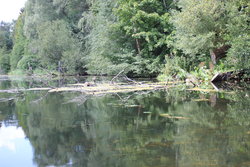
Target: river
x,y
163,128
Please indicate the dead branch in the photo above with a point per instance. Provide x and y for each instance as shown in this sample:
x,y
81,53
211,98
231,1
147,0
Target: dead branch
x,y
117,76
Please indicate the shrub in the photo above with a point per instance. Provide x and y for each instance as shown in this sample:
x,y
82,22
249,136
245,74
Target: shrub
x,y
27,62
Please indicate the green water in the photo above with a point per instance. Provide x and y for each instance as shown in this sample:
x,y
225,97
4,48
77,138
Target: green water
x,y
166,128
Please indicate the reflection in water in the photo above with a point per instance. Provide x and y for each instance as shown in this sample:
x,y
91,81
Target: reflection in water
x,y
8,135
15,150
162,128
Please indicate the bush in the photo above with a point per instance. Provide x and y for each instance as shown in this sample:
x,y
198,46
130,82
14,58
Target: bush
x,y
175,68
27,62
4,61
202,74
239,53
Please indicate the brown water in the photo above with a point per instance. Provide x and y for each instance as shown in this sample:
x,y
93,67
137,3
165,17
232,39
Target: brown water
x,y
167,128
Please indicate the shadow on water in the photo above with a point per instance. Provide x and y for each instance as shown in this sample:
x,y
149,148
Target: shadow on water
x,y
176,128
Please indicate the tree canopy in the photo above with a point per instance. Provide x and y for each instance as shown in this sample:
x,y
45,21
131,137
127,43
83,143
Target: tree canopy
x,y
138,37
204,26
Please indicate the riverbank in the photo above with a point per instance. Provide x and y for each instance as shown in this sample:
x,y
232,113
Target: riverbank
x,y
120,83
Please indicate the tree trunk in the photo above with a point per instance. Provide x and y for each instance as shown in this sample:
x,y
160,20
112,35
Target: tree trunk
x,y
138,46
213,56
218,53
165,4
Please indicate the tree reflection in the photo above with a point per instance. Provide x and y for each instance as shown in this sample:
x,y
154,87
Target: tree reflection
x,y
215,133
133,130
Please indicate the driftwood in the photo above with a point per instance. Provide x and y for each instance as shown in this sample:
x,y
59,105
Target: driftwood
x,y
221,76
14,91
117,75
91,88
173,117
124,76
100,89
231,76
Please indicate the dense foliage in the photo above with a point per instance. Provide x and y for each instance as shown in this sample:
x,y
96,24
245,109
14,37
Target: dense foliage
x,y
139,37
5,46
206,26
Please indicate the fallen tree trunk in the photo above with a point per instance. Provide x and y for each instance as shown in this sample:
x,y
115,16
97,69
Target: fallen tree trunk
x,y
100,89
239,75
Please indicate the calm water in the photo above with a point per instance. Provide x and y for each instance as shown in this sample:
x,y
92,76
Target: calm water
x,y
167,128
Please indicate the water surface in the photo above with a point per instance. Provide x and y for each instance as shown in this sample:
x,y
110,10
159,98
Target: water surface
x,y
165,128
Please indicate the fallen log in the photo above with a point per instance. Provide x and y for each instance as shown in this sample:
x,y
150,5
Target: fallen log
x,y
239,75
99,89
18,90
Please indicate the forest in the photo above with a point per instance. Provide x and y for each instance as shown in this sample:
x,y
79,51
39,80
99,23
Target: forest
x,y
143,38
